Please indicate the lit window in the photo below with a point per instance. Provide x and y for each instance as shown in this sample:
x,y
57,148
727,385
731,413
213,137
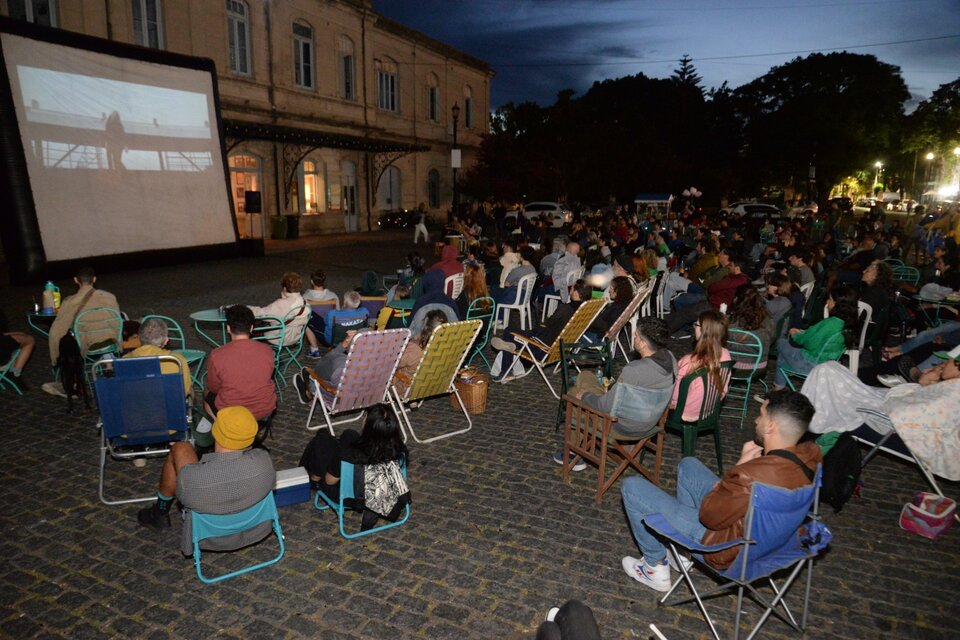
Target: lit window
x,y
238,36
387,85
35,11
147,23
313,195
303,55
345,65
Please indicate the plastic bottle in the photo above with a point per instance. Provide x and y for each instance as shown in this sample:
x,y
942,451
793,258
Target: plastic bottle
x,y
56,300
47,305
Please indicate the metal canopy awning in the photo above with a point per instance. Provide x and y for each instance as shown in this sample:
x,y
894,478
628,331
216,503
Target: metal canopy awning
x,y
239,130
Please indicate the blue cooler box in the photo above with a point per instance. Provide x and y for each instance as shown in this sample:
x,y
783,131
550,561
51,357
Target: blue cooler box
x,y
292,486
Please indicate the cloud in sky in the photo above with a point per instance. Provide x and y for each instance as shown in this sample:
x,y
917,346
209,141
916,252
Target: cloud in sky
x,y
539,47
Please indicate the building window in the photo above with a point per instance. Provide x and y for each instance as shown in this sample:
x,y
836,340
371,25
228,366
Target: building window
x,y
348,186
147,23
238,36
387,85
467,107
433,189
35,11
433,97
246,174
346,68
388,191
313,192
303,55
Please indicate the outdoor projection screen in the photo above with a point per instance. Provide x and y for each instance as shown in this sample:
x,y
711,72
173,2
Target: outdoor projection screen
x,y
122,155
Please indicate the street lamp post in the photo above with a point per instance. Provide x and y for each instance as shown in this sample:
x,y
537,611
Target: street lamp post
x,y
454,158
876,179
926,174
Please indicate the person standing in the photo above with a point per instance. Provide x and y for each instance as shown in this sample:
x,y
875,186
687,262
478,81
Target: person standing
x,y
420,224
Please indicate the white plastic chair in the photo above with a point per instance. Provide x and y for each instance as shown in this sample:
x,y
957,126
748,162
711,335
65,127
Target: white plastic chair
x,y
552,300
521,303
806,290
453,285
864,315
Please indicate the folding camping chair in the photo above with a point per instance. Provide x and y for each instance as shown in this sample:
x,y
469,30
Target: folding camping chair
x,y
781,532
372,359
628,317
348,493
442,358
141,411
576,326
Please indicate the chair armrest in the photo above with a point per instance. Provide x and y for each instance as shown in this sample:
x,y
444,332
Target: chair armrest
x,y
576,402
321,382
659,523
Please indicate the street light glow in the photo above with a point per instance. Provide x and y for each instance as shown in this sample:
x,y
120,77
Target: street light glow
x,y
956,151
878,164
930,156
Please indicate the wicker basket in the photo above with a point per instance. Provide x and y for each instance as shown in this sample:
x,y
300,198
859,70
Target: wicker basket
x,y
473,387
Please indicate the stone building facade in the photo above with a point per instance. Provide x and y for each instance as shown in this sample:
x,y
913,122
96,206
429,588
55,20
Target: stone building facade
x,y
330,110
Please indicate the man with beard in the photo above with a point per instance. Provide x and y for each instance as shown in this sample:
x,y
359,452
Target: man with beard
x,y
712,510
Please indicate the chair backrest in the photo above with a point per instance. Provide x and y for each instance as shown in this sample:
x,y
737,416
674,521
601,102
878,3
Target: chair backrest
x,y
320,307
347,483
139,404
807,289
906,274
453,285
99,325
576,326
372,359
639,406
270,331
209,525
476,311
642,293
524,290
442,358
416,288
747,351
293,333
774,517
712,393
864,317
662,306
174,330
830,344
373,304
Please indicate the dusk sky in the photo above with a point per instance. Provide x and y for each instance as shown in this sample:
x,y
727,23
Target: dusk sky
x,y
539,47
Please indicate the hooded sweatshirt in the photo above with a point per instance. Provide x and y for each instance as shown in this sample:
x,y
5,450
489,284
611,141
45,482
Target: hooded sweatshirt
x,y
659,371
448,264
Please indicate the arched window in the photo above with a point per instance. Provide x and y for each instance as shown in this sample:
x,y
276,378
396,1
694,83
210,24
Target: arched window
x,y
313,187
433,97
433,189
388,193
147,23
303,55
238,36
467,107
347,68
246,175
35,11
387,85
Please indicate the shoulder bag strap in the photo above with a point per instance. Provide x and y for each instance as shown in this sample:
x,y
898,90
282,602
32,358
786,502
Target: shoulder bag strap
x,y
789,455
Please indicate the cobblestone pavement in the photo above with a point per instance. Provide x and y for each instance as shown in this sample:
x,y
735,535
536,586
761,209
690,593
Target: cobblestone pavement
x,y
495,538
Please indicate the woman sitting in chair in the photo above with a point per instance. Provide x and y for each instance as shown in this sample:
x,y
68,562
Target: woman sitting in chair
x,y
380,440
474,286
710,332
749,314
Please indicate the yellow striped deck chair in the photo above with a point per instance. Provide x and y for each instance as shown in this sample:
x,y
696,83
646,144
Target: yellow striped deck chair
x,y
441,360
576,326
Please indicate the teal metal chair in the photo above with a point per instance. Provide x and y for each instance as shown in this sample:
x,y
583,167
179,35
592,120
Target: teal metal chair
x,y
828,346
5,377
100,330
348,496
205,526
708,413
290,350
477,312
194,357
905,274
749,361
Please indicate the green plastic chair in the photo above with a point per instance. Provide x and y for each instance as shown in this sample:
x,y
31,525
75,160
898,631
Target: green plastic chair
x,y
827,346
194,357
748,360
476,312
708,415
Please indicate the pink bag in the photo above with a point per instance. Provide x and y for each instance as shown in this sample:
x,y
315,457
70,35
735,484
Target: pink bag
x,y
928,514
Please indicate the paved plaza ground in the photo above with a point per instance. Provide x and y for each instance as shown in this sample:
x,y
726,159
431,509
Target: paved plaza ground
x,y
495,538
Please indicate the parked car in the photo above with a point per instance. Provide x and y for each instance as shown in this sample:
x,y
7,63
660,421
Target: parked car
x,y
804,208
396,219
845,203
555,213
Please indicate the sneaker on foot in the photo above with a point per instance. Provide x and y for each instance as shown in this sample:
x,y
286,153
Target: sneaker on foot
x,y
300,384
657,577
154,518
54,389
686,562
502,345
579,465
552,614
313,353
890,380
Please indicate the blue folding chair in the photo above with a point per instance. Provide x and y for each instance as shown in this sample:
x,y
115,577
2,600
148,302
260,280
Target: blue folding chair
x,y
207,525
141,411
5,377
347,494
781,531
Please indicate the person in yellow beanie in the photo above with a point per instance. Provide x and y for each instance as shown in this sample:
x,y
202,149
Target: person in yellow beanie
x,y
232,478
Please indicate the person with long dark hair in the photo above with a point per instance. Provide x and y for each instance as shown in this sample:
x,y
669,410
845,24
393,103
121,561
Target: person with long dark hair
x,y
710,332
805,348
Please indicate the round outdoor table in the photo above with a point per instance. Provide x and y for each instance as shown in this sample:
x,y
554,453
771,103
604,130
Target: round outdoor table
x,y
40,322
210,316
935,321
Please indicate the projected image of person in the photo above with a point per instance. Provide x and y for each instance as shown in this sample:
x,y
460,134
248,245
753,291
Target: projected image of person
x,y
114,142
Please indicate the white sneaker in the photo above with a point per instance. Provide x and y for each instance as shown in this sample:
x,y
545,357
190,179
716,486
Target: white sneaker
x,y
54,389
890,380
502,345
552,614
686,562
657,577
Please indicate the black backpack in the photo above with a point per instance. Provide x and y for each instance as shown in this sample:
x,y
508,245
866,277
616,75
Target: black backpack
x,y
841,472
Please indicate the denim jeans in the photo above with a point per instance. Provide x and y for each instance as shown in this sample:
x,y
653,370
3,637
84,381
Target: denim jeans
x,y
688,300
927,336
675,284
641,498
793,358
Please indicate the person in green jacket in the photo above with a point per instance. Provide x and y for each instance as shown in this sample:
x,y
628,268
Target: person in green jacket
x,y
806,348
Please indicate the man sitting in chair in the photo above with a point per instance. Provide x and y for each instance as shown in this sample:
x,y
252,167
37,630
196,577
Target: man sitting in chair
x,y
232,478
153,340
710,509
240,373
